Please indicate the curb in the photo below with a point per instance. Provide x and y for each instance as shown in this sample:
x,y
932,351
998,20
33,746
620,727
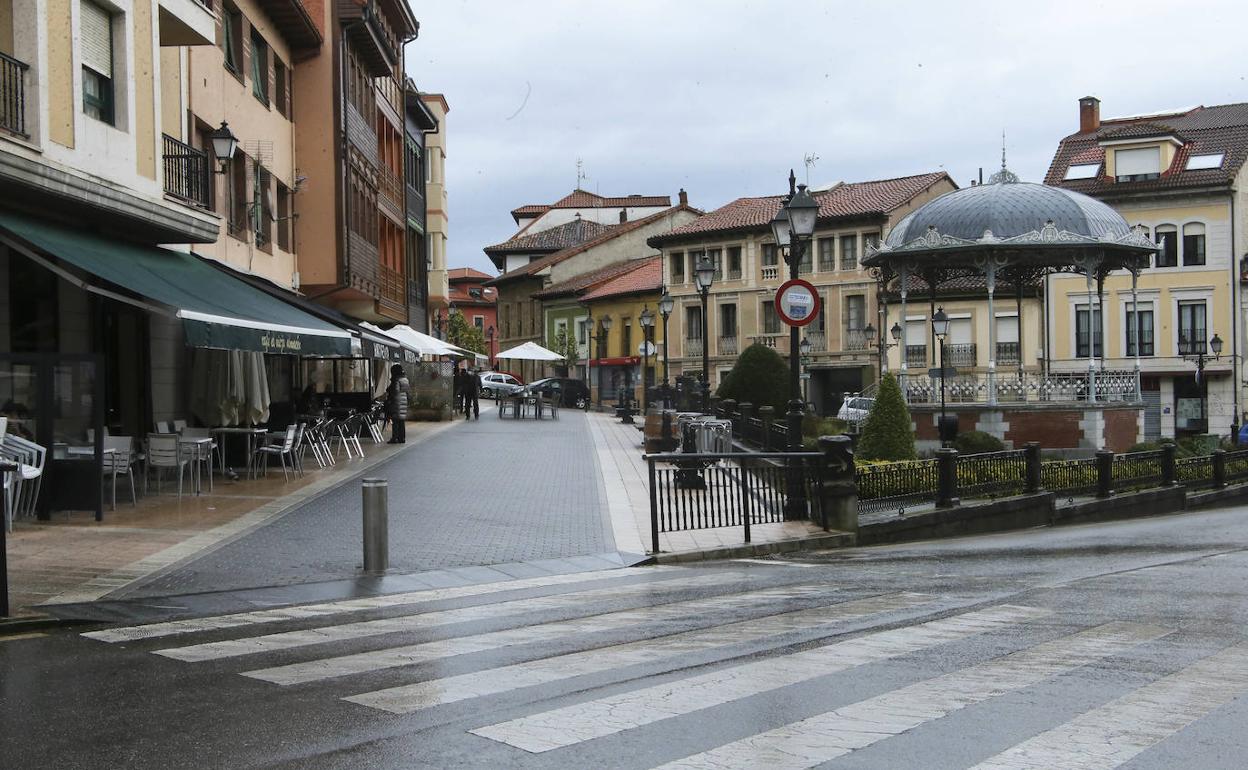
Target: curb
x,y
745,550
35,623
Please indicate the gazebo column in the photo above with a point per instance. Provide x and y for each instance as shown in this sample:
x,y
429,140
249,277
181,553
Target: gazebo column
x,y
1092,313
1139,339
904,274
990,280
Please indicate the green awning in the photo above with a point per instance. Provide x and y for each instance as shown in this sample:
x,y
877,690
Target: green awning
x,y
217,310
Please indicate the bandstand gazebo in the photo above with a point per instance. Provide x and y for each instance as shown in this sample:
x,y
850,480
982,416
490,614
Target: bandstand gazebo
x,y
1011,233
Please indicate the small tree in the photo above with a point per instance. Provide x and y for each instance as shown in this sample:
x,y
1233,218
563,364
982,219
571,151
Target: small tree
x,y
760,376
465,335
887,435
565,345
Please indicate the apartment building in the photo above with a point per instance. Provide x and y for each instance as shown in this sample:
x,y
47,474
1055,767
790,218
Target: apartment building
x,y
437,200
1180,175
419,123
749,270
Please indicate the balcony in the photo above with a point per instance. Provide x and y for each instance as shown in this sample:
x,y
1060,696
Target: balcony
x,y
771,273
818,342
370,36
727,346
916,355
693,346
187,22
390,190
856,340
393,288
13,95
1007,353
960,354
187,172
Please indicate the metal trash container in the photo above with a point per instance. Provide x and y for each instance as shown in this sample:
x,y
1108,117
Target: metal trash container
x,y
711,436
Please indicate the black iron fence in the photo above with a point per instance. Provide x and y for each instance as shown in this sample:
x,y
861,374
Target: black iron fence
x,y
992,474
1069,477
895,486
691,491
187,172
13,95
1137,470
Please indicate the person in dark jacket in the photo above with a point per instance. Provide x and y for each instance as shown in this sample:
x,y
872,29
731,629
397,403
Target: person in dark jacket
x,y
396,404
472,392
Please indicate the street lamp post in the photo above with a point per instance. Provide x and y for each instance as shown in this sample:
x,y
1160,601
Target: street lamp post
x,y
604,326
1194,349
793,227
804,347
647,331
881,346
437,323
666,305
940,327
704,276
489,335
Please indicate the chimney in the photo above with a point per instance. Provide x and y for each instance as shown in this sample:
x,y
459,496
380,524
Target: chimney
x,y
1089,114
623,216
684,197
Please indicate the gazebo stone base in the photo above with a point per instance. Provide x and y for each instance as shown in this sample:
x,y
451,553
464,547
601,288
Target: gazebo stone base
x,y
1075,427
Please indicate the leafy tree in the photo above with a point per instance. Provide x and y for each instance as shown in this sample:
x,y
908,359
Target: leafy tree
x,y
465,335
565,345
886,434
761,377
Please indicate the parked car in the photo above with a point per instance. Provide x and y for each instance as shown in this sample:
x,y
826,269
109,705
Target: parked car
x,y
854,409
571,394
495,384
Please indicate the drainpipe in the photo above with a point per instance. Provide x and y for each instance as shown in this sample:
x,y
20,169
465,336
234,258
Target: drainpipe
x,y
1236,320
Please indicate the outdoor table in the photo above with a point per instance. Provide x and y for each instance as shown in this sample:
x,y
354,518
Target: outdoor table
x,y
250,435
199,447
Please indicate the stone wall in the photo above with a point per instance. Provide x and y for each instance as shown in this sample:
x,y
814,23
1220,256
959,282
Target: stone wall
x,y
1074,427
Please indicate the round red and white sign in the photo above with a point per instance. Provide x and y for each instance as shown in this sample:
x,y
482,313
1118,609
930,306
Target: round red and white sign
x,y
797,302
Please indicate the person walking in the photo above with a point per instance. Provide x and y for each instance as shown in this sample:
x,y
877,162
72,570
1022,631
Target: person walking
x,y
472,394
396,404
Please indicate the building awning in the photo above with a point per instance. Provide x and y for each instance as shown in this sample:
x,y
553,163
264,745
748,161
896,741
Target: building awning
x,y
217,309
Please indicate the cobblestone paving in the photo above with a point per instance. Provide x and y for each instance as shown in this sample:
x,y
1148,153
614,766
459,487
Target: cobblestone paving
x,y
485,492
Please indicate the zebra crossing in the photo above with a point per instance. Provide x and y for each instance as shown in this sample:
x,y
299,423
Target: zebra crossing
x,y
670,658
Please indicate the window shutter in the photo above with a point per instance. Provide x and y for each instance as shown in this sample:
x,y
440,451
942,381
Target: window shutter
x,y
244,46
96,36
1007,328
1145,160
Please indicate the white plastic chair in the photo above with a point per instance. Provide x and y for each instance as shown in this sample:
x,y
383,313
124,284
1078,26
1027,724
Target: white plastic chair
x,y
164,452
282,451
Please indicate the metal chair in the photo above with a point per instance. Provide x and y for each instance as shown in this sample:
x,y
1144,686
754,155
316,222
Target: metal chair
x,y
120,462
282,451
203,453
179,426
164,452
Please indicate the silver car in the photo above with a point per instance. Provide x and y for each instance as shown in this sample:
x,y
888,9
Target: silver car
x,y
495,384
854,409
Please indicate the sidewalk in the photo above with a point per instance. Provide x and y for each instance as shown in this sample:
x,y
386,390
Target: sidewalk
x,y
625,478
73,558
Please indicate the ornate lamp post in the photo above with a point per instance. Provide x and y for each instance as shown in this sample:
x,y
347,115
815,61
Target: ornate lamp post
x,y
666,305
224,143
604,326
881,345
647,332
793,226
804,347
1194,350
704,276
489,335
940,327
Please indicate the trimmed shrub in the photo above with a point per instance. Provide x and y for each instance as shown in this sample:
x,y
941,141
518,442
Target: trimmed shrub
x,y
886,433
976,441
761,377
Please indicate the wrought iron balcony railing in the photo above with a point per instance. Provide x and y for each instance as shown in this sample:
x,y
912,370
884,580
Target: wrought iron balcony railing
x,y
818,341
727,346
960,354
1007,353
186,172
693,346
13,95
916,355
856,340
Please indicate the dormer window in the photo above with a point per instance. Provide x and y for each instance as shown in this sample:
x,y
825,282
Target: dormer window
x,y
474,292
1137,164
1202,162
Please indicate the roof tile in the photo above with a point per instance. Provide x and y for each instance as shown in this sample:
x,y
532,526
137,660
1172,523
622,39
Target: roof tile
x,y
552,239
646,276
579,283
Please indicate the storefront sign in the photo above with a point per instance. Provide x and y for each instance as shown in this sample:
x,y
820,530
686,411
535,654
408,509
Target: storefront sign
x,y
797,302
205,334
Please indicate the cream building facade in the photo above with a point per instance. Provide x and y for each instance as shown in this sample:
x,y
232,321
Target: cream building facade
x,y
437,227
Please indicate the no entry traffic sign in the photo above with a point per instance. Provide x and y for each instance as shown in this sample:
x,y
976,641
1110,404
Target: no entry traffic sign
x,y
797,302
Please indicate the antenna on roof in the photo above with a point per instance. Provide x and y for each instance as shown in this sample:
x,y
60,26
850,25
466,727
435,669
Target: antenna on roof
x,y
580,173
810,160
1003,149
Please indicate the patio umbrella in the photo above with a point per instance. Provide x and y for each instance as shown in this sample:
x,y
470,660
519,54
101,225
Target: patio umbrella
x,y
530,351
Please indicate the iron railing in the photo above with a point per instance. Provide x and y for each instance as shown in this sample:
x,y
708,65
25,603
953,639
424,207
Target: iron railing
x,y
727,346
896,486
1007,353
916,355
1069,477
960,354
693,346
992,474
1137,470
691,491
855,339
818,341
13,95
1025,386
1194,472
186,172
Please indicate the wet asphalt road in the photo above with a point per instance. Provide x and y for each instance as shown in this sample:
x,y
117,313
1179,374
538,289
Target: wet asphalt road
x,y
1120,643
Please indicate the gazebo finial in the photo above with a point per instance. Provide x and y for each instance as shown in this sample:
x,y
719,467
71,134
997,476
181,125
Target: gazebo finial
x,y
1004,176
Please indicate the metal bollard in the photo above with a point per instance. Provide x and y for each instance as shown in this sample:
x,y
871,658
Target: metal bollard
x,y
376,528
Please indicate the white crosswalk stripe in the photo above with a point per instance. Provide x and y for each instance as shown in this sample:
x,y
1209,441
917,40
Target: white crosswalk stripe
x,y
616,713
376,660
408,698
822,738
337,633
1114,733
256,617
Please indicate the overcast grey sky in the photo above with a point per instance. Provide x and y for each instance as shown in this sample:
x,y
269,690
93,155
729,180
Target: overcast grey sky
x,y
722,97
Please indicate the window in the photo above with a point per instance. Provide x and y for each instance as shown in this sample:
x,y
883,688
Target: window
x,y
238,194
259,68
281,85
678,266
727,320
1137,165
1167,236
96,38
262,208
1087,332
1194,244
771,321
695,257
1082,171
827,254
283,217
855,312
769,255
204,143
232,39
626,335
582,331
849,252
1192,327
1200,162
479,322
1145,330
804,264
734,262
474,291
716,257
870,240
693,322
413,166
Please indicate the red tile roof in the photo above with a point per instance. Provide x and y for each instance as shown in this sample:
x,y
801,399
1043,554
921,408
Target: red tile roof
x,y
552,239
1204,131
579,283
845,201
583,199
465,273
647,276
